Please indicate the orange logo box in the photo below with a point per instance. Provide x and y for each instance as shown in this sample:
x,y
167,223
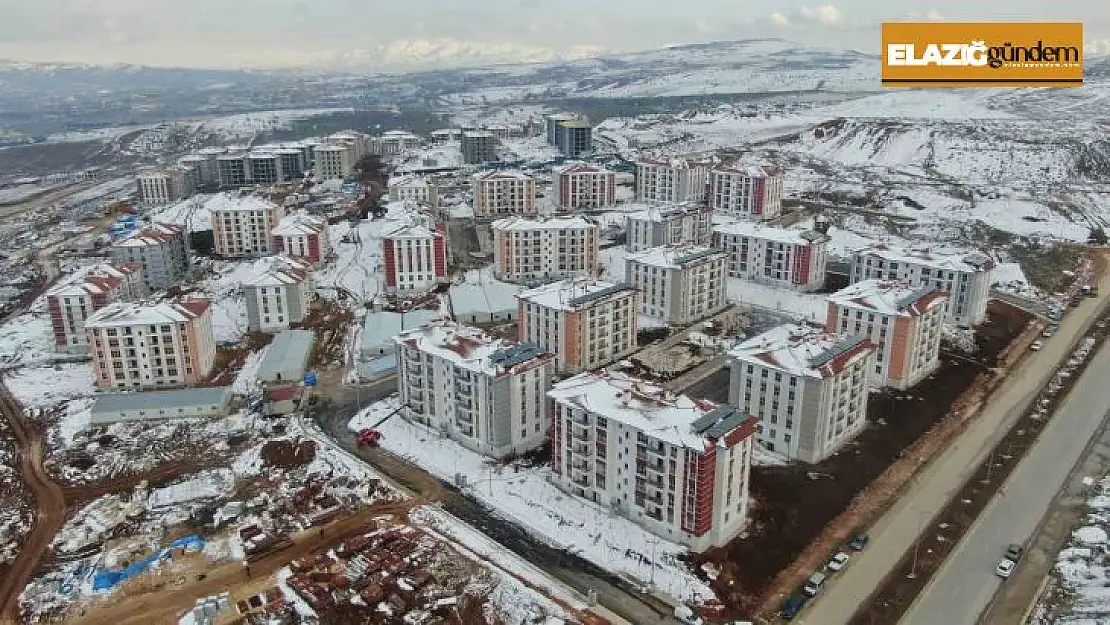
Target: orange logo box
x,y
996,54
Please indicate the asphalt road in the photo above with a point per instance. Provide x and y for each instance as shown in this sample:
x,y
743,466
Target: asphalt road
x,y
964,586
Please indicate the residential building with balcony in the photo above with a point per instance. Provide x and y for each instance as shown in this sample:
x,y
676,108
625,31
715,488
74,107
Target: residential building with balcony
x,y
334,161
678,285
678,467
674,181
242,224
164,186
303,235
586,323
410,188
485,393
415,258
279,293
671,224
904,321
749,192
574,138
478,147
807,387
788,259
161,249
584,186
540,249
74,298
503,193
234,170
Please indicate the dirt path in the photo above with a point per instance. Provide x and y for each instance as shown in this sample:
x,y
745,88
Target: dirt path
x,y
50,507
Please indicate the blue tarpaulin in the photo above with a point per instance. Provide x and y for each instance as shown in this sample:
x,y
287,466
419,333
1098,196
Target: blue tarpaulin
x,y
111,578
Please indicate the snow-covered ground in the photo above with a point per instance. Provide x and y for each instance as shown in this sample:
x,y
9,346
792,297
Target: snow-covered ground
x,y
1082,595
807,306
223,285
45,387
524,495
358,268
188,212
27,339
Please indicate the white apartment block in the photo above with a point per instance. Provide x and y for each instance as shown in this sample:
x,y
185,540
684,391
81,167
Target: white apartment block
x,y
416,189
279,293
485,393
586,323
141,346
73,299
536,249
242,224
503,193
580,185
807,387
676,181
789,259
749,192
164,186
414,257
335,161
676,466
676,224
967,278
678,285
303,235
903,321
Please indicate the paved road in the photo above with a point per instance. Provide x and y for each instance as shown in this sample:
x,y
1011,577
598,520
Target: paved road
x,y
965,584
897,530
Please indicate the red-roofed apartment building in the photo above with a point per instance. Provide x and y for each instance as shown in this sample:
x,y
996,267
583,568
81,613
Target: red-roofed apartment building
x,y
71,301
749,192
580,185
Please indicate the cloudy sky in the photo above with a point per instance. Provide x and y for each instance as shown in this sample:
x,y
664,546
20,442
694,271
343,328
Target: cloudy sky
x,y
403,34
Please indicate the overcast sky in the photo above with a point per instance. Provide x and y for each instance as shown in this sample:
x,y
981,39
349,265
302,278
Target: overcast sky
x,y
400,34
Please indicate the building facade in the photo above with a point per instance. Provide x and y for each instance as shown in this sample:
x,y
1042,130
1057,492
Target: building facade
x,y
789,259
303,235
161,249
586,323
242,224
234,170
72,300
574,138
485,393
967,278
551,123
415,258
138,346
677,224
279,293
678,467
334,161
807,387
580,185
675,182
903,321
478,147
503,193
746,191
537,249
414,189
165,186
678,285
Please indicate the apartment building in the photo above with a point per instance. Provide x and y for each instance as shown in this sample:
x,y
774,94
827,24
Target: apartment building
x,y
138,346
674,181
574,138
678,285
746,191
478,147
673,224
676,466
503,193
303,235
164,186
74,298
586,323
234,170
334,161
485,393
580,185
279,293
552,122
788,259
415,258
967,278
807,387
161,249
535,249
393,142
416,189
903,321
242,224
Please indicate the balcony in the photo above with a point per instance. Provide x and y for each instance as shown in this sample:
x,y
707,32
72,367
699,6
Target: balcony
x,y
582,481
581,465
581,448
658,468
581,434
464,416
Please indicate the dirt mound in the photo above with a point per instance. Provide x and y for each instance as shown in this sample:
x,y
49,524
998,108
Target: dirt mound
x,y
286,454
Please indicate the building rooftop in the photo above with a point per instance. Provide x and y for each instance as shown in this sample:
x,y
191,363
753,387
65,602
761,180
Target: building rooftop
x,y
581,168
279,270
154,234
109,407
889,297
289,349
675,163
409,231
665,211
750,170
576,294
409,180
478,134
473,349
675,257
380,327
501,174
556,223
771,233
677,419
802,350
94,280
299,224
229,202
130,314
962,262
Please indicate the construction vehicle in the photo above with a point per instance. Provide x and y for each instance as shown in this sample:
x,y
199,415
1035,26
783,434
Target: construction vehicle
x,y
371,436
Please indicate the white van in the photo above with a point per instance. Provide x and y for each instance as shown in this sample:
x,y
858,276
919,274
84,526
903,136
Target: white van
x,y
814,584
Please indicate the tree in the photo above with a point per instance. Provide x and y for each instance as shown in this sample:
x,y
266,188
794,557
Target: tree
x,y
1097,236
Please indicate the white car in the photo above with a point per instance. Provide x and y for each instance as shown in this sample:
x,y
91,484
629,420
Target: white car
x,y
1005,568
1036,346
686,616
839,561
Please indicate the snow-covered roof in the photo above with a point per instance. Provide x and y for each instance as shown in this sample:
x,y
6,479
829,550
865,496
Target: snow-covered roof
x,y
582,168
129,314
290,349
676,419
408,180
771,233
280,270
408,231
802,350
227,202
332,147
576,294
473,349
501,174
154,234
108,406
674,163
95,280
475,134
961,262
299,224
556,223
667,211
749,170
382,326
676,257
889,297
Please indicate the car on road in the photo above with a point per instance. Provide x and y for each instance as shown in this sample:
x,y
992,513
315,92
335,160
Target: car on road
x,y
686,616
839,561
1014,552
815,583
1036,346
793,604
859,541
1048,332
1005,568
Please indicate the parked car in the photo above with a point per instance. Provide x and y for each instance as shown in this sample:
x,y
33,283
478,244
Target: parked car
x,y
1005,568
1014,552
1036,346
839,561
686,615
815,583
1048,332
793,604
859,541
